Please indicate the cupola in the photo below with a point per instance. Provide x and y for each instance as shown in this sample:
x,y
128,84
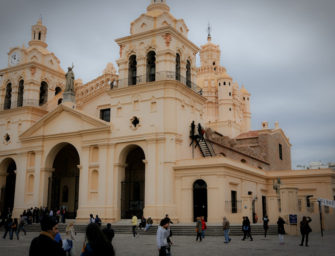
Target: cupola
x,y
38,35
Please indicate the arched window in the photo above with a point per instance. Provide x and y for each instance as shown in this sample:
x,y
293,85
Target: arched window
x,y
178,67
151,66
20,94
132,70
39,36
8,96
58,90
188,73
43,93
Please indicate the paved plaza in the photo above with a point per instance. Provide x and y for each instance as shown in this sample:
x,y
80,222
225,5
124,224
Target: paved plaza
x,y
186,245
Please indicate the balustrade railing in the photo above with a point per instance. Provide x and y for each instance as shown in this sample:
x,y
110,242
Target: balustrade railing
x,y
16,104
159,76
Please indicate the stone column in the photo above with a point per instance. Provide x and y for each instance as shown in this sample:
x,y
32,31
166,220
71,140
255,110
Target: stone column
x,y
37,180
289,205
110,184
213,204
165,61
31,92
150,180
186,200
119,174
45,186
15,87
103,179
19,206
272,208
141,68
82,211
123,72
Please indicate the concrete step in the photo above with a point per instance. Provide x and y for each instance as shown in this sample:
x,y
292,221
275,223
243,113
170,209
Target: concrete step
x,y
178,229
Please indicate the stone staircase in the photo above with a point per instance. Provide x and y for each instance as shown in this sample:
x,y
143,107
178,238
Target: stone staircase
x,y
177,229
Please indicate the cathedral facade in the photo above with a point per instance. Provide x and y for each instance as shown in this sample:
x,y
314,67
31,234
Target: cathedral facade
x,y
156,135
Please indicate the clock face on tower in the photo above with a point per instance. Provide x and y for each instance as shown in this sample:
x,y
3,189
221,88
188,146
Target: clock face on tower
x,y
15,58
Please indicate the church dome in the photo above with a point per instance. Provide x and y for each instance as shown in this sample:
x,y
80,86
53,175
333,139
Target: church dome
x,y
157,7
225,76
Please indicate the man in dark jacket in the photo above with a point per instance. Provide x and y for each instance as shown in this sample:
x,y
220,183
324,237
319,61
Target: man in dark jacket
x,y
109,232
45,244
305,229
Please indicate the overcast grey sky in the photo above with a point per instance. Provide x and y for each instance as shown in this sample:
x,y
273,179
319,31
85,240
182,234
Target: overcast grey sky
x,y
281,50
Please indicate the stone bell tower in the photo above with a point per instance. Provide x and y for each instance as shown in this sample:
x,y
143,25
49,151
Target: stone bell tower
x,y
227,109
157,49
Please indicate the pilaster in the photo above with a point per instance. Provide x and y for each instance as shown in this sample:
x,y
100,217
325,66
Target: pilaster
x,y
247,206
21,163
37,180
83,184
45,186
289,205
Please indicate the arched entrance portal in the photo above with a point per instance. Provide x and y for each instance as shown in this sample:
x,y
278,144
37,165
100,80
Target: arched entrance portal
x,y
64,183
132,193
7,185
199,199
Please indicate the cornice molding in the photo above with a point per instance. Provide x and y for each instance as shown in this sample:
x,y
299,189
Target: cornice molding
x,y
32,64
158,32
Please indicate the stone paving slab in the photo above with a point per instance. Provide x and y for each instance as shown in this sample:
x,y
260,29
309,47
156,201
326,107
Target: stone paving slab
x,y
187,246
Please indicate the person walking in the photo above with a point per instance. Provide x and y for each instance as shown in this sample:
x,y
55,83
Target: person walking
x,y
246,228
305,229
45,243
109,232
265,225
281,229
198,229
170,222
8,227
68,241
226,229
134,224
21,226
14,230
203,227
96,242
162,236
